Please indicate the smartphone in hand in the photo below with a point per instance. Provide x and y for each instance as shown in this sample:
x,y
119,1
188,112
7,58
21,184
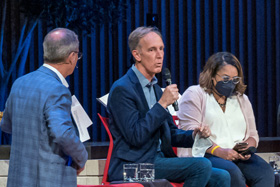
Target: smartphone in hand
x,y
249,151
239,146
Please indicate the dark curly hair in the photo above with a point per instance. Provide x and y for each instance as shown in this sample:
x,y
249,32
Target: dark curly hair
x,y
214,64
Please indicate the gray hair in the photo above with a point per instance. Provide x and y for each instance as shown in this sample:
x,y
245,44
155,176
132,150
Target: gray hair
x,y
58,44
137,34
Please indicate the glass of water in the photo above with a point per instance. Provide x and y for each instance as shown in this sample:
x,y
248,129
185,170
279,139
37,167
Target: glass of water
x,y
147,172
130,172
273,162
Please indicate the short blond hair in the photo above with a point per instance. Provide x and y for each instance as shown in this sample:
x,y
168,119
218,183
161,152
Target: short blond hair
x,y
137,34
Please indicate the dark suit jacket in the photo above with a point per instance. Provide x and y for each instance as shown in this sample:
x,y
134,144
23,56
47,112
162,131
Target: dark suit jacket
x,y
37,114
136,129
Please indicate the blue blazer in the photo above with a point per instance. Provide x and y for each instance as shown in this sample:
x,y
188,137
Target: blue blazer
x,y
38,115
136,129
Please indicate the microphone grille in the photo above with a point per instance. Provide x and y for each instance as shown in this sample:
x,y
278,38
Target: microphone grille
x,y
166,74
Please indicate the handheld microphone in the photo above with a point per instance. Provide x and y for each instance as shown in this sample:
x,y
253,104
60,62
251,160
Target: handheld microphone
x,y
167,78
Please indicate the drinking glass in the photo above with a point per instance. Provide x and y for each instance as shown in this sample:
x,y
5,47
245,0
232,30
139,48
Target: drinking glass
x,y
130,172
147,172
273,162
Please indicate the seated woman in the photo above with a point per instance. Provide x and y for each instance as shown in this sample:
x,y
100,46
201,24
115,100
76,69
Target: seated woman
x,y
219,101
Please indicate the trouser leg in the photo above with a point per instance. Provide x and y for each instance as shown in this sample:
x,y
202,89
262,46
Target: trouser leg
x,y
237,177
257,172
219,178
194,172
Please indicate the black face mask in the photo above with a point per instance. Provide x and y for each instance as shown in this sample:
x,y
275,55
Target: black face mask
x,y
225,89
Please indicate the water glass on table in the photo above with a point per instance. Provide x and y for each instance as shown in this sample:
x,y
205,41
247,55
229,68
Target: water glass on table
x,y
147,172
130,172
273,162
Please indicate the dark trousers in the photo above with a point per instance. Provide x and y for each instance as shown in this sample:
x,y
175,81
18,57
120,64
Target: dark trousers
x,y
255,172
194,172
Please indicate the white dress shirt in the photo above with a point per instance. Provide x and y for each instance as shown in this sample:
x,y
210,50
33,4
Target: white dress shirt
x,y
63,80
227,128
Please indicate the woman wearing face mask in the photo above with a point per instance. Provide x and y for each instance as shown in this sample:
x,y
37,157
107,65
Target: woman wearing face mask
x,y
219,102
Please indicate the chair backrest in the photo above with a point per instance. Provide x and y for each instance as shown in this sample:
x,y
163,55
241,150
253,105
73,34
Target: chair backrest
x,y
175,119
105,122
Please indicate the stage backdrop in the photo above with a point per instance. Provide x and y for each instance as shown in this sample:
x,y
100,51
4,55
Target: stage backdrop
x,y
192,31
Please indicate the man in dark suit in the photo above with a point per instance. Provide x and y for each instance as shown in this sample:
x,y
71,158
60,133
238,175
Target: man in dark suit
x,y
142,127
38,115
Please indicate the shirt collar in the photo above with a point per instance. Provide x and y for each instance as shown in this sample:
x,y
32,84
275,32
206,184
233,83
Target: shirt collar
x,y
142,79
62,79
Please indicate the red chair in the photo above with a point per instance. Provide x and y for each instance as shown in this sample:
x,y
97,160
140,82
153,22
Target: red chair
x,y
175,119
105,183
104,121
105,174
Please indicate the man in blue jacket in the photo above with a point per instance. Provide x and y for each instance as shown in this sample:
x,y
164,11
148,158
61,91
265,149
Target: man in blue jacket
x,y
45,149
142,127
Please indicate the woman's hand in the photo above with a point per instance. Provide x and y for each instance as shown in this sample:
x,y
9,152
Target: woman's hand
x,y
227,154
245,157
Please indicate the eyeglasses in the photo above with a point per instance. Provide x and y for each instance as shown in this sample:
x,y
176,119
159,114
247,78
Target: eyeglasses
x,y
226,79
80,54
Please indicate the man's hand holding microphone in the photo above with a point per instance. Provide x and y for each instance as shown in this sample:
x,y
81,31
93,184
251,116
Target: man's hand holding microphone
x,y
171,95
